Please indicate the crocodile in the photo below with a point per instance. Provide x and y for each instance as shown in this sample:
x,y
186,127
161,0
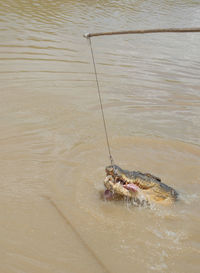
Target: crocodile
x,y
138,186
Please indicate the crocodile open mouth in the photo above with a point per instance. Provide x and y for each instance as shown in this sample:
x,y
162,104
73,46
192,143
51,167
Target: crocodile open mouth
x,y
116,186
124,182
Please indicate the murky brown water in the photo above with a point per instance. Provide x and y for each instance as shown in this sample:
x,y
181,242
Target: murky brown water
x,y
52,143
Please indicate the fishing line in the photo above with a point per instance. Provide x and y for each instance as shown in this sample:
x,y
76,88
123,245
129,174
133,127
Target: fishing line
x,y
143,31
100,101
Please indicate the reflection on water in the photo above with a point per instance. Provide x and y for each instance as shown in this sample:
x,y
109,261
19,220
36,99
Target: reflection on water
x,y
53,151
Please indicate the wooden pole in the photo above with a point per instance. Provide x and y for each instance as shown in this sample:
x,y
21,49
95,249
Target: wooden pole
x,y
144,31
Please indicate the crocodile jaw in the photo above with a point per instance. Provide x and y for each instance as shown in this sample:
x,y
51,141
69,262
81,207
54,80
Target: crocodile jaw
x,y
120,188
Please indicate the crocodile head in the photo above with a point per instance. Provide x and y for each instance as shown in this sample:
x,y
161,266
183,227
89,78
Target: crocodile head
x,y
137,185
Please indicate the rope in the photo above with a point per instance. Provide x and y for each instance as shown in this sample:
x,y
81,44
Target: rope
x,y
100,101
144,31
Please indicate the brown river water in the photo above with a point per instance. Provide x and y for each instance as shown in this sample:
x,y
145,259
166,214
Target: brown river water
x,y
52,144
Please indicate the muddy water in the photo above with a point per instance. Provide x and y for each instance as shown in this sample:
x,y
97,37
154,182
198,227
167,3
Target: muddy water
x,y
52,143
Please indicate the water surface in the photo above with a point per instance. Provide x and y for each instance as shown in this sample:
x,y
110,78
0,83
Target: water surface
x,y
53,150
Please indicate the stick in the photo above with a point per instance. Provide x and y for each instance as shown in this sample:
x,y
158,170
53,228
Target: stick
x,y
144,31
